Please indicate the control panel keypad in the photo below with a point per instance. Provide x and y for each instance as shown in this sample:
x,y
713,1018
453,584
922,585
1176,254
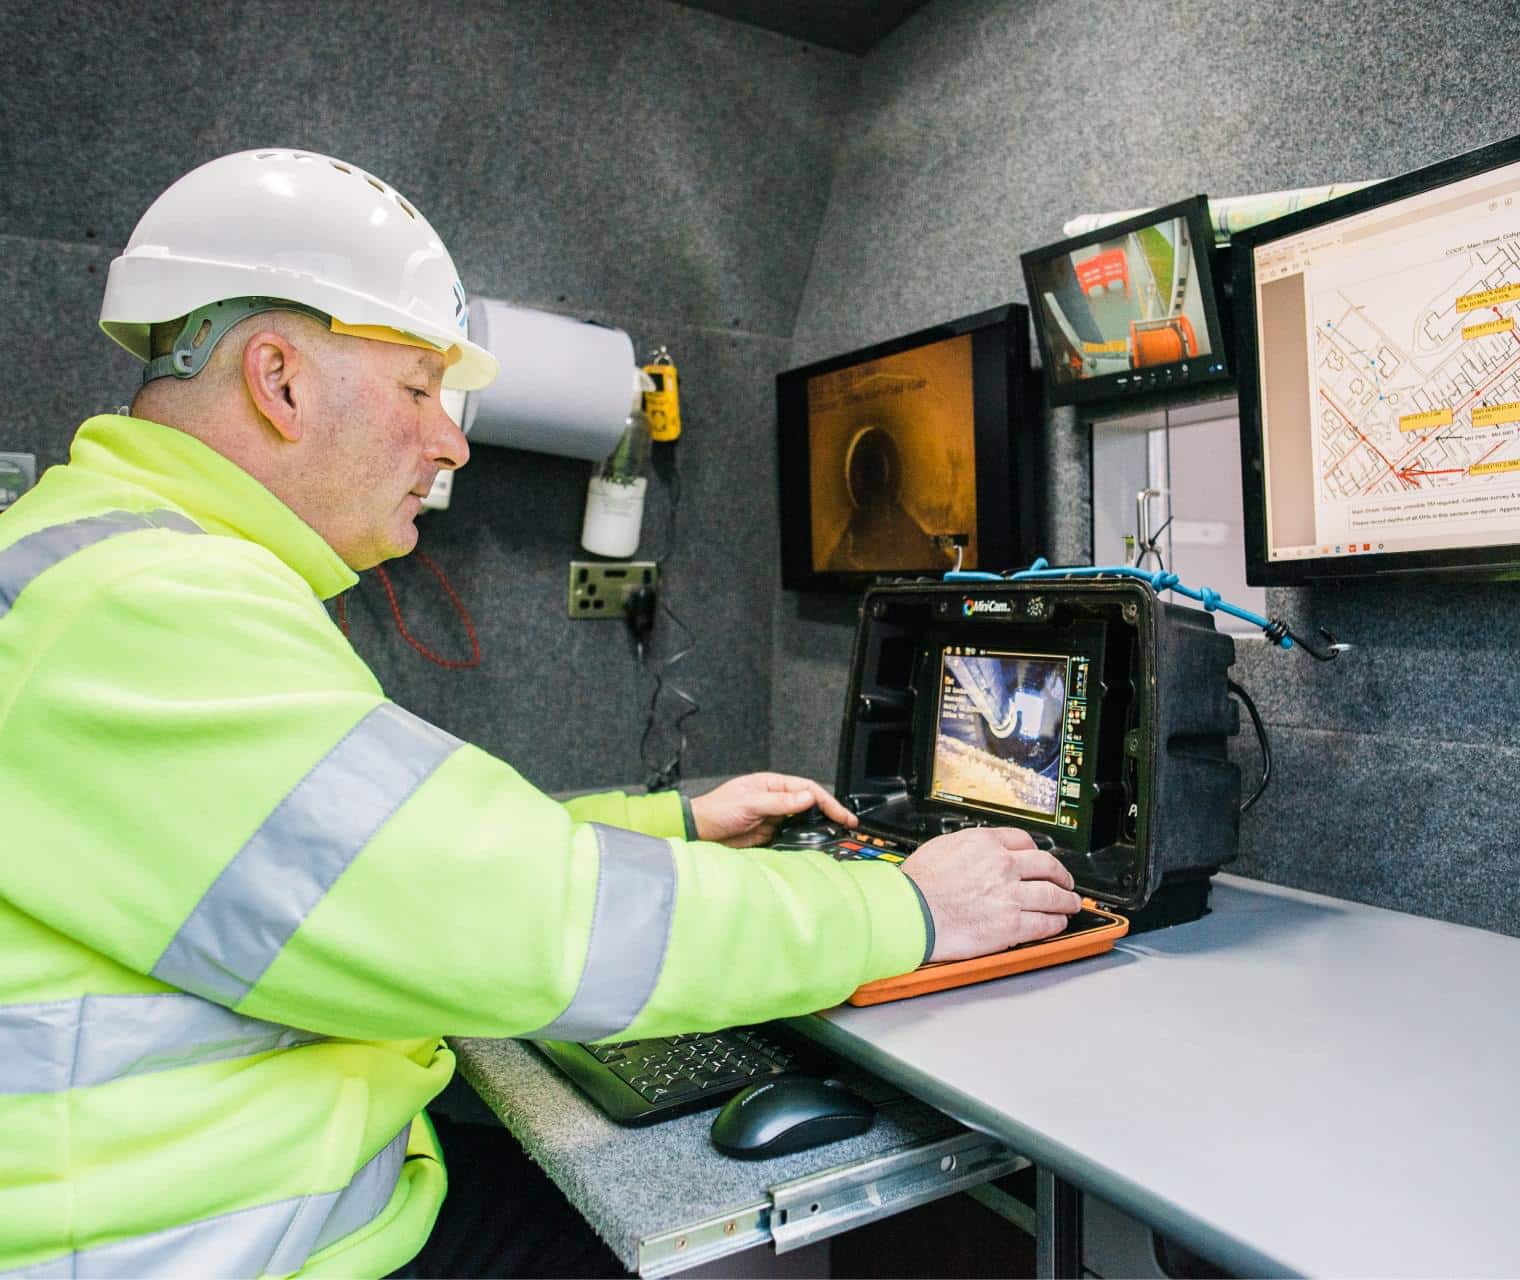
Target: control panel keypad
x,y
844,845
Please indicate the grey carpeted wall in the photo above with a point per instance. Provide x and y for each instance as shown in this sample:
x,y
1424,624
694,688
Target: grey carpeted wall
x,y
980,127
632,161
755,203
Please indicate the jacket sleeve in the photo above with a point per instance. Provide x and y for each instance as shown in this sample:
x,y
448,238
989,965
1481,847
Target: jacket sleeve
x,y
663,813
232,806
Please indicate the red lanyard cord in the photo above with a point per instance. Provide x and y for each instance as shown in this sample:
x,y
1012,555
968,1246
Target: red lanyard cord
x,y
390,594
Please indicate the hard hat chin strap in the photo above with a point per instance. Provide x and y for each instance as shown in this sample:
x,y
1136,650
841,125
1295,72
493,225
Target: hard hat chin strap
x,y
206,326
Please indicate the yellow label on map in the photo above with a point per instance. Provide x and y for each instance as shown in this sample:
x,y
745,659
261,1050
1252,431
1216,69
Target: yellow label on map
x,y
1488,468
1488,298
1116,348
1506,325
1493,415
1424,421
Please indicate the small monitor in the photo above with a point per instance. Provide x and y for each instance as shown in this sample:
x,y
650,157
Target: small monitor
x,y
898,459
1128,310
999,732
1379,378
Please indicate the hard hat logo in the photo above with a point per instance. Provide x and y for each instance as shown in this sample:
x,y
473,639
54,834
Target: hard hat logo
x,y
297,227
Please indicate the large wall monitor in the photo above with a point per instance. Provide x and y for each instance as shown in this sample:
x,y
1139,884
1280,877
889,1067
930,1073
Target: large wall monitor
x,y
894,456
1380,377
1129,310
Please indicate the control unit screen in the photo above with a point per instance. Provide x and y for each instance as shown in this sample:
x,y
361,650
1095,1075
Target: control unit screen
x,y
998,740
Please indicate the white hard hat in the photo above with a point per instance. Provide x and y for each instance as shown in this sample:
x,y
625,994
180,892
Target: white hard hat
x,y
294,225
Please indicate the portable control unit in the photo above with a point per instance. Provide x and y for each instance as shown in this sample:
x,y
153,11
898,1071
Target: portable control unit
x,y
1088,712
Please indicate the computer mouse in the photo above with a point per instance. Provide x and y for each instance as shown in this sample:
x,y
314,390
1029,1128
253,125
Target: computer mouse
x,y
786,1114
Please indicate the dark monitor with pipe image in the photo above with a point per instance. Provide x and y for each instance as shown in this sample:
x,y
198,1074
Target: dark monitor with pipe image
x,y
910,457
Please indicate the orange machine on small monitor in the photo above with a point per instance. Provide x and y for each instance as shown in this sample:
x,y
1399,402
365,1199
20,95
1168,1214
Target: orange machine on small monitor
x,y
1129,310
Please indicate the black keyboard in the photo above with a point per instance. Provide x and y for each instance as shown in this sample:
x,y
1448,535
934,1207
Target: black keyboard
x,y
642,1081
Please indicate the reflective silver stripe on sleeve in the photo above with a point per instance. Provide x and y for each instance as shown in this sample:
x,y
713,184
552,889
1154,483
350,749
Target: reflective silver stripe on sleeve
x,y
357,1204
55,1045
27,557
279,876
630,930
269,1239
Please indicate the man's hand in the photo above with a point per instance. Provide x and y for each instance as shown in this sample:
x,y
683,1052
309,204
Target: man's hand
x,y
746,811
989,889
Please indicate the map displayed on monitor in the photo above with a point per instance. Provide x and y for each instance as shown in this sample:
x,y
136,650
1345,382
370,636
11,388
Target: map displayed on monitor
x,y
999,734
1389,358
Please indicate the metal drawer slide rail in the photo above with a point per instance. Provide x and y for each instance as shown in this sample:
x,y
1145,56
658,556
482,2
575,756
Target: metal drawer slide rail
x,y
716,1237
814,1208
805,1210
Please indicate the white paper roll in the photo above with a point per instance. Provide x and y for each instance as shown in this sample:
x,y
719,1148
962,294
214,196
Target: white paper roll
x,y
565,386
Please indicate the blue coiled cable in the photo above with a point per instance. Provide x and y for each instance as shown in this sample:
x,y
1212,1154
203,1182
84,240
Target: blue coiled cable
x,y
1275,629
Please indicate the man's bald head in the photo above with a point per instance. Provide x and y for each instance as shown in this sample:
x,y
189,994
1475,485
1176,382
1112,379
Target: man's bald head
x,y
348,431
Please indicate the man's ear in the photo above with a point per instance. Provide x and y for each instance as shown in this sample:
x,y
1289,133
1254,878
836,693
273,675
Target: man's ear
x,y
271,363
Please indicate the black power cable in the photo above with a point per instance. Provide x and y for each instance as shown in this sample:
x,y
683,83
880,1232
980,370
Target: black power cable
x,y
662,772
1261,738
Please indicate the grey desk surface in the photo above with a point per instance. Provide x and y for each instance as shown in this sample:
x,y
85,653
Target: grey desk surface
x,y
1292,1084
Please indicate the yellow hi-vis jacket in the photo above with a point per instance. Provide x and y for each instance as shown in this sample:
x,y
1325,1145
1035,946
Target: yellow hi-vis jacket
x,y
242,895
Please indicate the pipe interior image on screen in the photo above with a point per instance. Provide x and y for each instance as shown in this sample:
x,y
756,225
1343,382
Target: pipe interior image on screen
x,y
1392,333
892,456
998,741
914,455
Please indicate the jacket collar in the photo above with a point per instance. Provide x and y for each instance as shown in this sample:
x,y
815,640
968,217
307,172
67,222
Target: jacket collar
x,y
212,490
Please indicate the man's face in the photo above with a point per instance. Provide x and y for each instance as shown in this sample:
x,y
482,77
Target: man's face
x,y
381,436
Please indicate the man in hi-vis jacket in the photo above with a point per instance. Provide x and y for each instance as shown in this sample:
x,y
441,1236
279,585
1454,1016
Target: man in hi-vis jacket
x,y
243,894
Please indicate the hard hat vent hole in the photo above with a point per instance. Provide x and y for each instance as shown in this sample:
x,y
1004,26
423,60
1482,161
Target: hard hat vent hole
x,y
405,208
377,186
267,155
341,168
201,334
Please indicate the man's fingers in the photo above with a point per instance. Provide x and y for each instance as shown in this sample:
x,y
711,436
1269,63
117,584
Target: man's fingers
x,y
1042,896
1036,864
832,809
1012,837
1035,925
778,804
816,795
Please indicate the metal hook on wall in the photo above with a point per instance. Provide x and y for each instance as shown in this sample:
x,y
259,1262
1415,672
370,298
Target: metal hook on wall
x,y
1146,542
